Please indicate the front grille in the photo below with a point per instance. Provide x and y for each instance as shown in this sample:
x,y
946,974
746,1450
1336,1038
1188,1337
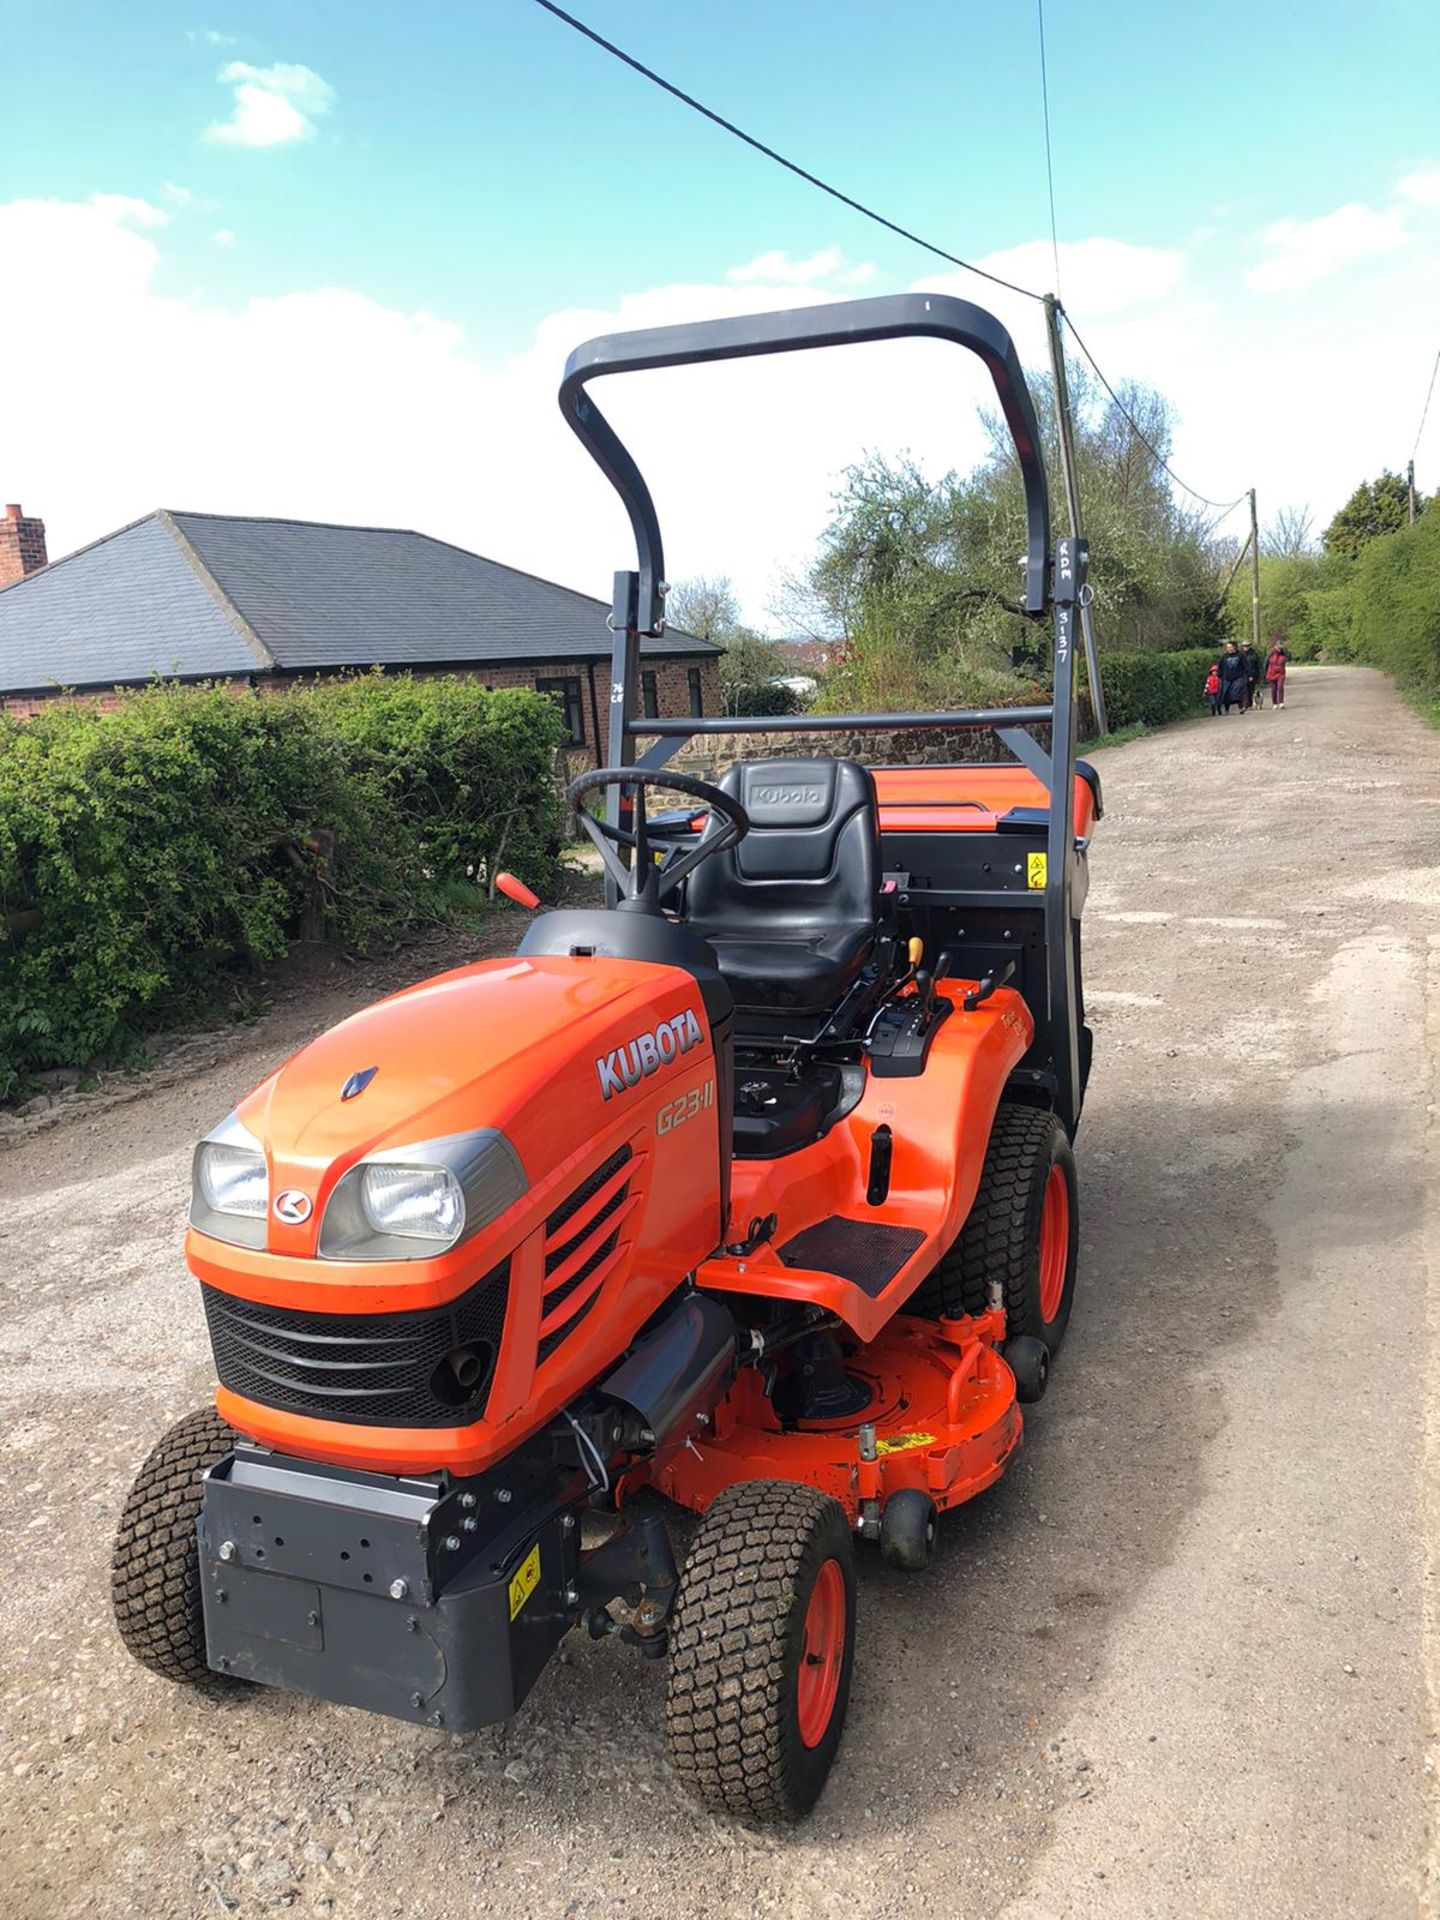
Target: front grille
x,y
427,1369
593,1240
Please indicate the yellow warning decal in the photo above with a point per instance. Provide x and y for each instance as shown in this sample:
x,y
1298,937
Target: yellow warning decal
x,y
526,1580
1035,869
904,1442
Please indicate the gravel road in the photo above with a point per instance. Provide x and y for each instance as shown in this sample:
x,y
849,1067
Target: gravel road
x,y
1179,1662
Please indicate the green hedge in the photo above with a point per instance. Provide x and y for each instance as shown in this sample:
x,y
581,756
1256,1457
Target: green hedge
x,y
1149,689
1393,614
145,849
469,773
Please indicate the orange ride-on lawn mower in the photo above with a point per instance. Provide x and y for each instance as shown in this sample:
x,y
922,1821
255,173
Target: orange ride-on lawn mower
x,y
753,1189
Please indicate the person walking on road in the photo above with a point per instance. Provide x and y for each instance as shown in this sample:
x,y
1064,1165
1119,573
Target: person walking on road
x,y
1252,673
1276,661
1212,688
1233,679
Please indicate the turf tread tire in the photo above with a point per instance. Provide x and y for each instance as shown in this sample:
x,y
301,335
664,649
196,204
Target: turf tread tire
x,y
730,1715
155,1567
1000,1236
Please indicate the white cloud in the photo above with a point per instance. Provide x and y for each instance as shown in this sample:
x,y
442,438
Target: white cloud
x,y
780,270
273,105
1306,251
208,37
136,398
1097,277
126,206
178,198
1422,187
222,237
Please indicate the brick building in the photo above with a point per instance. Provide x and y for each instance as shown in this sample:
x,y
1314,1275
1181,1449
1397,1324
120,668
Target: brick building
x,y
194,596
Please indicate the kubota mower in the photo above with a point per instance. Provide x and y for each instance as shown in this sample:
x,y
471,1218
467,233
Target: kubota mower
x,y
752,1190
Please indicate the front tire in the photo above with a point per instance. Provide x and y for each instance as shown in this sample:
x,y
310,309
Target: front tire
x,y
155,1568
1023,1230
761,1651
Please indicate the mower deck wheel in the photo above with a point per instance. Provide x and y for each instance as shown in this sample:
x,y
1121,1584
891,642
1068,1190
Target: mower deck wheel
x,y
761,1649
1023,1231
1029,1360
155,1568
908,1525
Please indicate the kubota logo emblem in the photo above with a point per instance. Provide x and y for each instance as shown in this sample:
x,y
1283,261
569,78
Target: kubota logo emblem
x,y
292,1206
627,1065
789,796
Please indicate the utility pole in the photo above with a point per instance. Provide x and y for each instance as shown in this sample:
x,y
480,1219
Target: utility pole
x,y
1410,483
1254,575
1072,497
1239,562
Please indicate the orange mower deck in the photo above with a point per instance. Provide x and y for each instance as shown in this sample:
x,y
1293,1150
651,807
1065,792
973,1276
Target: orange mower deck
x,y
943,1418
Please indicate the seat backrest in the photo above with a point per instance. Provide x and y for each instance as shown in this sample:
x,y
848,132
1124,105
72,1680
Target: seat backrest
x,y
811,860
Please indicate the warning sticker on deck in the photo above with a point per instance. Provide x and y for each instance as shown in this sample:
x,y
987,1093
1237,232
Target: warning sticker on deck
x,y
904,1442
525,1581
1035,869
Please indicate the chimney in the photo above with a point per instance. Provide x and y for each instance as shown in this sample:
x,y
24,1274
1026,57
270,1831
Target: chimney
x,y
22,546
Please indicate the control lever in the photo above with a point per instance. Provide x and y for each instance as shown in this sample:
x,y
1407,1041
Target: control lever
x,y
516,890
987,986
760,1230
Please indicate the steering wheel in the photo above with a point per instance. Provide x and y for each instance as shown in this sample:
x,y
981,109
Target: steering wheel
x,y
643,884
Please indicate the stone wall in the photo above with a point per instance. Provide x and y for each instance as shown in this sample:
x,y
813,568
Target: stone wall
x,y
708,757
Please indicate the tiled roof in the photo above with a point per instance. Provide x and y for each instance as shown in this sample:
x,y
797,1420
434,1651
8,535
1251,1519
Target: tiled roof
x,y
190,595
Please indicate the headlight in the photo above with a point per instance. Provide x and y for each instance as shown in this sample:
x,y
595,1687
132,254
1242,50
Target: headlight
x,y
230,1186
420,1203
232,1179
412,1203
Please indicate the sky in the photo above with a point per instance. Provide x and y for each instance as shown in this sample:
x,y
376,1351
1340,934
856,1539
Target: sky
x,y
326,260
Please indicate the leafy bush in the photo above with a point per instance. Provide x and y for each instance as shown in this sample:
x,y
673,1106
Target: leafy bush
x,y
145,848
1150,689
469,772
1382,606
1394,610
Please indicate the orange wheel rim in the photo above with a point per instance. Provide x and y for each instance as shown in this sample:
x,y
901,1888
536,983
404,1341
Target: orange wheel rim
x,y
822,1654
1054,1244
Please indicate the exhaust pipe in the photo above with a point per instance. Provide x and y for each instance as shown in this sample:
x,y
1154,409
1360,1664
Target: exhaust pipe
x,y
677,1371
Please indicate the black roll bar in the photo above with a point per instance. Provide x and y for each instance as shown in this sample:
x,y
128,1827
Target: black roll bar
x,y
1055,583
848,323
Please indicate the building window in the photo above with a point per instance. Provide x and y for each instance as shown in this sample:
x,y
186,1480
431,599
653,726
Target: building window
x,y
697,692
567,692
649,696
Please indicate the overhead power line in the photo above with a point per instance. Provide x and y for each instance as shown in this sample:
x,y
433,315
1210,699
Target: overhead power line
x,y
1049,164
1424,411
729,126
880,220
1220,506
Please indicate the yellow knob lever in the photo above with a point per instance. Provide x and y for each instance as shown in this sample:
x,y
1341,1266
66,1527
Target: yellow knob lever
x,y
917,949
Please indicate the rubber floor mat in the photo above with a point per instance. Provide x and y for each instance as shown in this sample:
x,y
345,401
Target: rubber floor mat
x,y
866,1252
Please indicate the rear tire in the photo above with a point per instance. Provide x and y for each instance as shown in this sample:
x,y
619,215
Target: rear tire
x,y
761,1651
1023,1231
155,1568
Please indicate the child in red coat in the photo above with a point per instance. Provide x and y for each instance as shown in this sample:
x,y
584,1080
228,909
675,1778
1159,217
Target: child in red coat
x,y
1212,687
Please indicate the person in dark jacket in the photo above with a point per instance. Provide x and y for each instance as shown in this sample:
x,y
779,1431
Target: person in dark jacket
x,y
1253,673
1233,678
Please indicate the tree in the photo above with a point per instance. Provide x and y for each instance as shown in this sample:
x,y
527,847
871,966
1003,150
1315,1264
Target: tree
x,y
1376,507
923,577
1288,535
750,664
707,608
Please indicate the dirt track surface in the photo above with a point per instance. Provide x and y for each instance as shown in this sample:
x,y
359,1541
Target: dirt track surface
x,y
1179,1662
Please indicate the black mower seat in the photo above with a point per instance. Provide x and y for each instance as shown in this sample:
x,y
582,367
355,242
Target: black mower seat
x,y
791,911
